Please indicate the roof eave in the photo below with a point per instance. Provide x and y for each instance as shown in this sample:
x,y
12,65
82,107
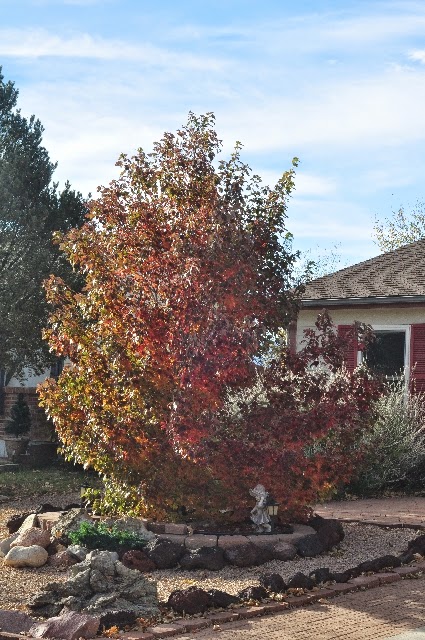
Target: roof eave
x,y
353,302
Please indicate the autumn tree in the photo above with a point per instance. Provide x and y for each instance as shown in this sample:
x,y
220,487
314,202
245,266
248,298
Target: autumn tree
x,y
403,227
187,282
31,209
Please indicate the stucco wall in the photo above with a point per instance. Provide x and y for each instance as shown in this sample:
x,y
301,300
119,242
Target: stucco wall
x,y
373,316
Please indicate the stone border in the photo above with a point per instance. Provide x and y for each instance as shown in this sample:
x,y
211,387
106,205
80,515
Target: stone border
x,y
190,625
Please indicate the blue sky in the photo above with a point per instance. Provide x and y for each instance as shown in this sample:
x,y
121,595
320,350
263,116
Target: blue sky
x,y
339,84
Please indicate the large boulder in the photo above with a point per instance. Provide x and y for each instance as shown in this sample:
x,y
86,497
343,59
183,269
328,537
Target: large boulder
x,y
189,601
165,553
32,536
211,558
62,559
247,555
34,556
99,585
70,626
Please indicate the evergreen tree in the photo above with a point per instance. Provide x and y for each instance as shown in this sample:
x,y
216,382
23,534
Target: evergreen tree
x,y
31,209
20,422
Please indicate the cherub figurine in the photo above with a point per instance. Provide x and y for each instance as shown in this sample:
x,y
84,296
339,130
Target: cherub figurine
x,y
259,514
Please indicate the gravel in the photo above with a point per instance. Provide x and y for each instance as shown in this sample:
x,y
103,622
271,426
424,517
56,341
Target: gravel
x,y
362,542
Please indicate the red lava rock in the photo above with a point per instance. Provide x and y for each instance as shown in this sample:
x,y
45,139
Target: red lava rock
x,y
190,601
138,560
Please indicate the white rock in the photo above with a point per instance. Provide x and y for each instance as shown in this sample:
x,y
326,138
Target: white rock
x,y
34,556
29,522
32,536
6,544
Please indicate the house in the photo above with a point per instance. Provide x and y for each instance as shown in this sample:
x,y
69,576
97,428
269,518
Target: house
x,y
41,430
386,292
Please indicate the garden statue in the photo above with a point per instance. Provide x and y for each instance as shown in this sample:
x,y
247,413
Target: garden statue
x,y
259,514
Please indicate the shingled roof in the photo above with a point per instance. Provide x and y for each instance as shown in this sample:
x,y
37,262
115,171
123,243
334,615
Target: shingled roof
x,y
398,273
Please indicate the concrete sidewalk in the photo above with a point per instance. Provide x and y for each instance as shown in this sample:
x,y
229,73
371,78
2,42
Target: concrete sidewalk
x,y
396,512
395,611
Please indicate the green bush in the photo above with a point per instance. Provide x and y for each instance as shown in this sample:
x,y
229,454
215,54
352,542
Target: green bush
x,y
99,536
396,445
20,422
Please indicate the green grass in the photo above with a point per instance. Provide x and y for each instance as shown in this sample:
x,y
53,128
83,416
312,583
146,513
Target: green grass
x,y
44,482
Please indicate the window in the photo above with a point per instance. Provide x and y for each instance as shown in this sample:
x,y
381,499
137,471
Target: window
x,y
388,354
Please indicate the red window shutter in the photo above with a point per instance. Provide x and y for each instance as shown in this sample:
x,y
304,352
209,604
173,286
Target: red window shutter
x,y
345,330
417,358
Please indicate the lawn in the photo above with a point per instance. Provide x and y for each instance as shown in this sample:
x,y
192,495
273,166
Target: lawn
x,y
48,481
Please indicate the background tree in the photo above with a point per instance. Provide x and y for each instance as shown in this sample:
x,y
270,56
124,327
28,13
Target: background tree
x,y
31,209
187,282
402,228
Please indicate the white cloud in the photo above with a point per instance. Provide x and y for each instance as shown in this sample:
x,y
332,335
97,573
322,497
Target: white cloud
x,y
418,55
38,43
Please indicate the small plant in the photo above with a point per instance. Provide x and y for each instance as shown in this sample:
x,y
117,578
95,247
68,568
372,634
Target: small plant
x,y
20,422
100,536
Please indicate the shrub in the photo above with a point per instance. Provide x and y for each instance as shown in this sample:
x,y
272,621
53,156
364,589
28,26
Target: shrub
x,y
20,422
99,536
396,444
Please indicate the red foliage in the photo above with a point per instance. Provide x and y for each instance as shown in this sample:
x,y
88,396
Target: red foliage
x,y
187,277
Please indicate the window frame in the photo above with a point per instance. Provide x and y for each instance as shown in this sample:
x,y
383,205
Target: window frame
x,y
407,328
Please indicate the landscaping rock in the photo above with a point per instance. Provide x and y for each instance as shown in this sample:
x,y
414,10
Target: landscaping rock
x,y
29,522
272,582
300,581
417,545
34,556
321,575
407,556
330,531
247,555
62,559
377,564
16,520
69,521
15,621
32,536
6,544
138,560
120,619
164,553
99,585
70,626
221,599
253,593
211,558
46,507
190,601
341,577
78,552
283,551
310,546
